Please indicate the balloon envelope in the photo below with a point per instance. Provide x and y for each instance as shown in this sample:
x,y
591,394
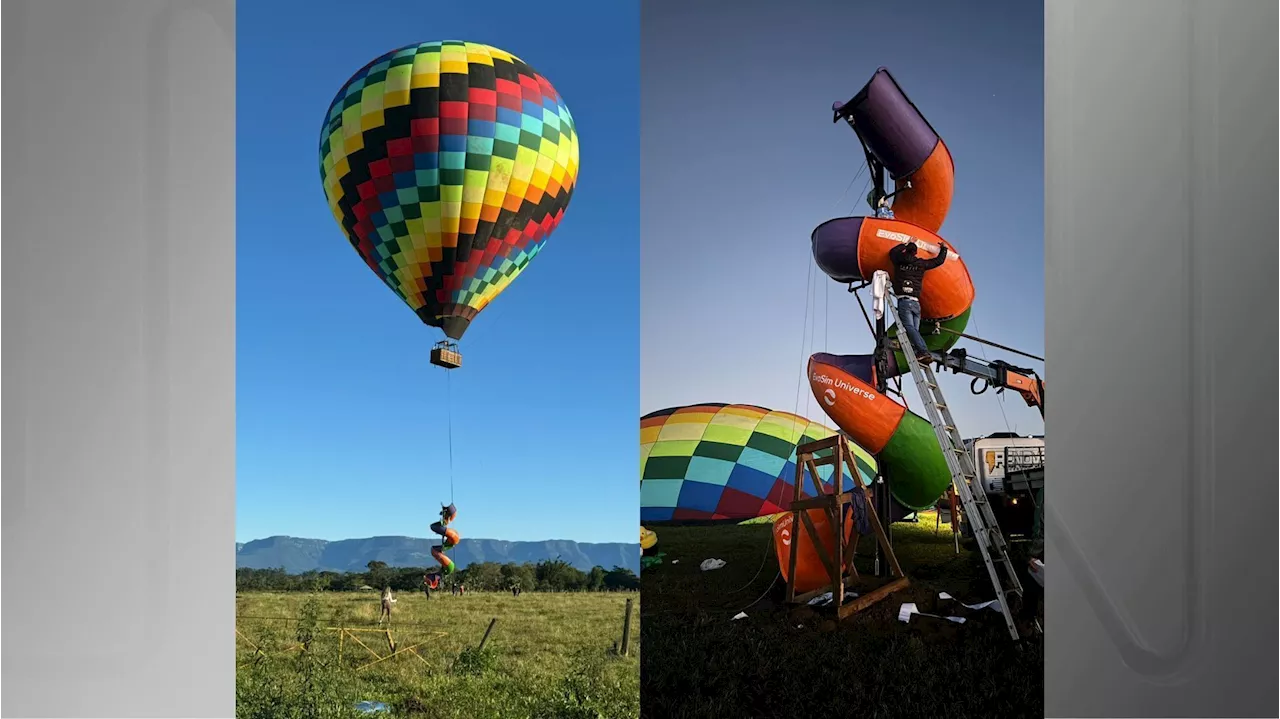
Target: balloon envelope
x,y
448,164
726,462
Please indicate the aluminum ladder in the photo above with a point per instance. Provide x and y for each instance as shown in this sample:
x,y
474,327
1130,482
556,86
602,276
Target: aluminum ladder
x,y
977,509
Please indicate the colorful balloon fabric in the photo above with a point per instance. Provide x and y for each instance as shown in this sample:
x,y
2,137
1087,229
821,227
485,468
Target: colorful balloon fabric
x,y
448,164
726,462
448,540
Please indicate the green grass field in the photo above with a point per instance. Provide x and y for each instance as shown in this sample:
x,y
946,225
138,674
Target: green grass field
x,y
549,655
792,662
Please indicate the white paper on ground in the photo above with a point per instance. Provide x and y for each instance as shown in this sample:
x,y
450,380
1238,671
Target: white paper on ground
x,y
740,615
826,598
994,603
1037,571
909,608
709,564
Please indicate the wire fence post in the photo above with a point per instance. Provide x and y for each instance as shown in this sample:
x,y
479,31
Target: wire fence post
x,y
626,630
485,638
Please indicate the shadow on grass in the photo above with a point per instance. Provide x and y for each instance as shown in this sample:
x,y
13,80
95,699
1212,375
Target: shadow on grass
x,y
784,661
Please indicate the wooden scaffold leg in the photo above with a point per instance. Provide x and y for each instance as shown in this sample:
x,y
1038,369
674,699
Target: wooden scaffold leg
x,y
839,568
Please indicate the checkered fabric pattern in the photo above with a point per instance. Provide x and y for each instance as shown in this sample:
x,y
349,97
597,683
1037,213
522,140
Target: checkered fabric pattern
x,y
448,164
726,462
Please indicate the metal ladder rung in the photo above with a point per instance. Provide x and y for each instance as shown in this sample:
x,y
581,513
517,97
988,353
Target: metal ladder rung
x,y
977,509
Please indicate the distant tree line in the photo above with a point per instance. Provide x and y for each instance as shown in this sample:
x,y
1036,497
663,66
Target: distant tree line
x,y
553,575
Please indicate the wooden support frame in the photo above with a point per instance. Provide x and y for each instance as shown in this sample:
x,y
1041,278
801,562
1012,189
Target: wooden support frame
x,y
352,634
840,568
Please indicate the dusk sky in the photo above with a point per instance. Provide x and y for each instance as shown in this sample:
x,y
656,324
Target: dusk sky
x,y
741,161
341,419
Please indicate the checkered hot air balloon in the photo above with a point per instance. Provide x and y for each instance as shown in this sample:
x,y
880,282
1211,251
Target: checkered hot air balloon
x,y
712,463
448,164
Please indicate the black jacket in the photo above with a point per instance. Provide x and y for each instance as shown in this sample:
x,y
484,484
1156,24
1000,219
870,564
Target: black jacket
x,y
908,275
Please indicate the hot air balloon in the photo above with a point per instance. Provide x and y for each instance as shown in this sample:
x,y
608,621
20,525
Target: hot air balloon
x,y
711,463
448,165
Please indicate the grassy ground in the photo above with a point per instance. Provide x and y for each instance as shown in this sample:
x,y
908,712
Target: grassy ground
x,y
790,662
550,655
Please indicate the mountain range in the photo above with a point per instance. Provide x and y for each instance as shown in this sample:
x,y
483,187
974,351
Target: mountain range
x,y
296,555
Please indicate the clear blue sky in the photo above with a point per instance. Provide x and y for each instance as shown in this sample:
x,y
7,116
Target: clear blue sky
x,y
341,421
741,161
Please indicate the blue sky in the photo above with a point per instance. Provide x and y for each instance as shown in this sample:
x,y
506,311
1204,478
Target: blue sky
x,y
741,161
341,421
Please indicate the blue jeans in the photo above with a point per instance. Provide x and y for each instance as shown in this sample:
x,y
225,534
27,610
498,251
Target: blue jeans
x,y
909,314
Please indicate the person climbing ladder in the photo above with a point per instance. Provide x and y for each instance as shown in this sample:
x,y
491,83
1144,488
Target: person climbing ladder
x,y
908,280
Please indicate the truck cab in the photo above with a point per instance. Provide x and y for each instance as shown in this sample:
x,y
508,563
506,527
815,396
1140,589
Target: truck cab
x,y
1010,473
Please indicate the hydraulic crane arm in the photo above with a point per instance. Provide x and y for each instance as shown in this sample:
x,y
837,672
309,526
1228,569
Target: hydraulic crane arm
x,y
998,374
995,373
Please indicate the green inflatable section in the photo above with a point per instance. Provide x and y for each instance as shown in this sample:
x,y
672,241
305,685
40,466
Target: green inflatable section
x,y
943,341
913,461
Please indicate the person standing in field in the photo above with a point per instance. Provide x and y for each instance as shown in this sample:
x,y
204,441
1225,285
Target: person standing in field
x,y
387,601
